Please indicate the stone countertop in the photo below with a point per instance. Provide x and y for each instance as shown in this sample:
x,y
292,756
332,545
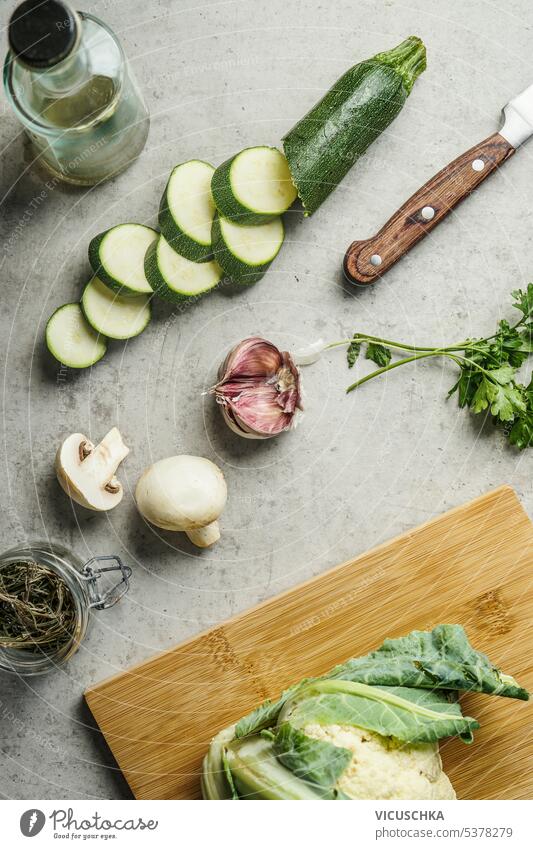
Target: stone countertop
x,y
219,76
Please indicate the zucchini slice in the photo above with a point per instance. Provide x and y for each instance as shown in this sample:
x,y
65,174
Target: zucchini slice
x,y
246,252
71,340
117,257
112,314
254,186
322,147
175,278
187,208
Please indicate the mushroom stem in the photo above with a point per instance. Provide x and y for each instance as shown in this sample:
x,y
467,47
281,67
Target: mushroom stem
x,y
103,461
206,536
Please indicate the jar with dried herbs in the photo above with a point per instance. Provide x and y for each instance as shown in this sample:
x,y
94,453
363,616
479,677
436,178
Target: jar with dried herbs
x,y
46,595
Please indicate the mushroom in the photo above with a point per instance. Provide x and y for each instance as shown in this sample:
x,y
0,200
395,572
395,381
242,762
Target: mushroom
x,y
87,472
183,493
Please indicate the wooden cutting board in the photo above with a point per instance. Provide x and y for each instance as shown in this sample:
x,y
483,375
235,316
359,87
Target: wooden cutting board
x,y
472,566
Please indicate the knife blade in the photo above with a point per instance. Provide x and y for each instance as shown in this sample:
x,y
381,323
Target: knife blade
x,y
367,260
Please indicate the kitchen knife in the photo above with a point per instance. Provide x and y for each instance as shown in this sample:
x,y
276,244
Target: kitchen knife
x,y
369,259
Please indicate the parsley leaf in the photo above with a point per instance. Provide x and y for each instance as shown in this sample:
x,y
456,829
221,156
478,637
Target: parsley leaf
x,y
466,386
523,301
527,339
502,375
353,351
507,402
497,391
378,354
521,433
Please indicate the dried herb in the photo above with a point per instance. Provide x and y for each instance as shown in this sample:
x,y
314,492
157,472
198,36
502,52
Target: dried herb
x,y
37,609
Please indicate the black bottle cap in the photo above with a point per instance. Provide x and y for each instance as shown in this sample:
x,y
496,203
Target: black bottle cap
x,y
41,34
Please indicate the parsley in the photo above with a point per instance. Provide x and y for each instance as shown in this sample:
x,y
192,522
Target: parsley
x,y
354,349
374,351
487,379
379,354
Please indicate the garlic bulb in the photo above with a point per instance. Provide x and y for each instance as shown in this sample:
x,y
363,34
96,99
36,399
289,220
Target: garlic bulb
x,y
258,389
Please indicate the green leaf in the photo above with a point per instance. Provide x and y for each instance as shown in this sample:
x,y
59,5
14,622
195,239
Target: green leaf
x,y
378,354
440,658
525,344
503,374
507,402
483,396
466,386
354,349
263,716
228,775
316,761
521,433
479,352
523,301
257,773
504,399
407,714
510,346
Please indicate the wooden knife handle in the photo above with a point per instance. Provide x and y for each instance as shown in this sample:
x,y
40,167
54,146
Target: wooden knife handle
x,y
367,260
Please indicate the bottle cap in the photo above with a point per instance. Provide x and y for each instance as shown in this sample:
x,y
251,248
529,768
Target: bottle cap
x,y
41,34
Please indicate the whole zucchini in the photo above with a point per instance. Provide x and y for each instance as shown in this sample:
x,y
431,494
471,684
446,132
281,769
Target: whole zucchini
x,y
323,146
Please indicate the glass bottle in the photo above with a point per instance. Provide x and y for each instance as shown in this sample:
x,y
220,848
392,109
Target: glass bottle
x,y
69,83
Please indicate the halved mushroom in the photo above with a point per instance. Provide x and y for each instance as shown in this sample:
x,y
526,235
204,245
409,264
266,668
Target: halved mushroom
x,y
87,471
183,493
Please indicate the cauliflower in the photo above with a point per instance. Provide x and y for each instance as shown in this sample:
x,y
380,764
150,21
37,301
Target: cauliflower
x,y
382,768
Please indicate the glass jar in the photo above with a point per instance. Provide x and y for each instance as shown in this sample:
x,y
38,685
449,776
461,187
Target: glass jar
x,y
82,579
74,92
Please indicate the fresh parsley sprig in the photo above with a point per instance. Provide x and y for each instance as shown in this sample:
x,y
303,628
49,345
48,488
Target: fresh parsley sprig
x,y
487,368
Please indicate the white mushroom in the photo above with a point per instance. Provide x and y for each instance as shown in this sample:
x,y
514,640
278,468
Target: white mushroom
x,y
184,493
87,472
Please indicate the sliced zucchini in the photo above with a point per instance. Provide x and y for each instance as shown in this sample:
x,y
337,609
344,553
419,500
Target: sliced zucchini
x,y
246,252
254,186
112,314
175,278
187,209
117,257
71,340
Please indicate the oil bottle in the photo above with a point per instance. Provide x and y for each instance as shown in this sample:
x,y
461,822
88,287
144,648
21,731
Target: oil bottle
x,y
70,85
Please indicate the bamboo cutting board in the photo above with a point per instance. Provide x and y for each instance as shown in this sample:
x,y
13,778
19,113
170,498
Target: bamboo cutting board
x,y
472,566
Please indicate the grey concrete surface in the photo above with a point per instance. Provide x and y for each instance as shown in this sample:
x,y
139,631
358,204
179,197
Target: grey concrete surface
x,y
219,76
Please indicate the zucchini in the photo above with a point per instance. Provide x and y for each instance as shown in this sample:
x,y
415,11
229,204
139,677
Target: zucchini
x,y
324,145
187,209
117,257
112,314
254,186
175,278
246,252
71,340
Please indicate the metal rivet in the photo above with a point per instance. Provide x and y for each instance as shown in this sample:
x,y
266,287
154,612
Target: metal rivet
x,y
428,213
375,259
478,165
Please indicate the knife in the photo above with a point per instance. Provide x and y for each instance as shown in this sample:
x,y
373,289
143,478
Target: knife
x,y
365,261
